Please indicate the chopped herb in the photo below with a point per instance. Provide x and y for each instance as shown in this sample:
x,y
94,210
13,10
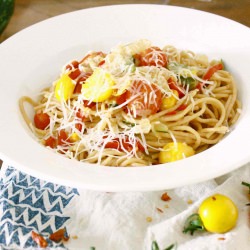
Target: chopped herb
x,y
170,247
193,223
155,246
246,184
92,248
129,123
159,210
189,81
113,105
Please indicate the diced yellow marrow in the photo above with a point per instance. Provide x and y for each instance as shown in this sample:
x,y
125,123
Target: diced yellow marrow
x,y
64,88
175,151
74,137
98,87
170,101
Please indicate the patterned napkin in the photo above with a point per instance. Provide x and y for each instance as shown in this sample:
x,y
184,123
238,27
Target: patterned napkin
x,y
67,218
29,204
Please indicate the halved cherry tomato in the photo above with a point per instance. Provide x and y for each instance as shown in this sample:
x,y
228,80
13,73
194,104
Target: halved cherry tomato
x,y
145,98
41,120
152,56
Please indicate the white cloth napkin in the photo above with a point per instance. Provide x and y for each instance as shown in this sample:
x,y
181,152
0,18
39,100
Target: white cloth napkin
x,y
124,221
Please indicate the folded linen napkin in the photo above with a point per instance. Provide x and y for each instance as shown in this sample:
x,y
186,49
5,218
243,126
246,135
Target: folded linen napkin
x,y
112,221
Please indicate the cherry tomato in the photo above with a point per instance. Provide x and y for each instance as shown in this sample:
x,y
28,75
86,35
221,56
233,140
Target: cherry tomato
x,y
145,98
41,120
218,213
152,56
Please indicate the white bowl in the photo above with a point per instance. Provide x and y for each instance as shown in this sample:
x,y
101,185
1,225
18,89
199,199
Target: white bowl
x,y
32,58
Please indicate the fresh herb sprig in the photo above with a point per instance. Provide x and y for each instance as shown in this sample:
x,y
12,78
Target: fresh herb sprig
x,y
193,223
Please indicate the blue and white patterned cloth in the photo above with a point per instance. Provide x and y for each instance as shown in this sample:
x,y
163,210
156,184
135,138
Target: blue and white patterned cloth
x,y
114,221
29,204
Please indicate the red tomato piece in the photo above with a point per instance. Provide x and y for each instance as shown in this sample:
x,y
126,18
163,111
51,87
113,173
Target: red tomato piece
x,y
41,120
59,235
152,56
101,63
180,108
72,65
74,74
124,145
80,81
89,104
173,85
62,137
113,144
209,74
51,142
145,99
93,54
81,117
39,239
212,70
121,98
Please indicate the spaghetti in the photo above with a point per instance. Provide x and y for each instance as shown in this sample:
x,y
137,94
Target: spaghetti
x,y
138,105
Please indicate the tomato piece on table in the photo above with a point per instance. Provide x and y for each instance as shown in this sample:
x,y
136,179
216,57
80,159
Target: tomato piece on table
x,y
39,239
